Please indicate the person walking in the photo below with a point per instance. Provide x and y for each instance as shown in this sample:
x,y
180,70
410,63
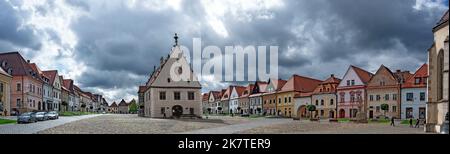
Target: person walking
x,y
417,123
392,122
410,122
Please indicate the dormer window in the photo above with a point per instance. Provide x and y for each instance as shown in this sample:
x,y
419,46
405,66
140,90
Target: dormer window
x,y
417,81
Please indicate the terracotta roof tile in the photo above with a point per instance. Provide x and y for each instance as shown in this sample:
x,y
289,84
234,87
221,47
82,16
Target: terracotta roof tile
x,y
123,103
301,84
239,90
363,74
113,104
248,90
51,75
422,73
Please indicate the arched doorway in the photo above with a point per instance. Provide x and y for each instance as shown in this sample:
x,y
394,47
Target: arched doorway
x,y
301,112
177,111
331,114
342,113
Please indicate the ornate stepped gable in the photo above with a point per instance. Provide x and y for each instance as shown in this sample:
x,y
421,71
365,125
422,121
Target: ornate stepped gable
x,y
328,86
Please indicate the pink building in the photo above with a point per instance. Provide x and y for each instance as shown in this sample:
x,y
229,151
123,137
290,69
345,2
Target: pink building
x,y
351,92
26,85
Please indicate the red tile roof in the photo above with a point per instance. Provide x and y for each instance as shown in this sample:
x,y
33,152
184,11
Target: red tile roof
x,y
205,97
422,73
298,95
51,75
248,90
16,63
239,90
301,84
364,75
142,89
216,94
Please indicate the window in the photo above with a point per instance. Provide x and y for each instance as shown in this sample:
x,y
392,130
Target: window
x,y
409,96
371,97
321,102
353,82
19,87
422,96
279,100
348,82
162,95
394,97
322,113
270,101
378,98
317,102
176,96
394,108
417,81
191,96
285,100
378,109
386,97
331,102
289,99
19,104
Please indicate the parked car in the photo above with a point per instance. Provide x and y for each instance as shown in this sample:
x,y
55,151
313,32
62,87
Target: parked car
x,y
52,115
27,117
40,116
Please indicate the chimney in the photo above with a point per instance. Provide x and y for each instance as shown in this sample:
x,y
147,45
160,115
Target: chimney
x,y
28,61
399,71
332,75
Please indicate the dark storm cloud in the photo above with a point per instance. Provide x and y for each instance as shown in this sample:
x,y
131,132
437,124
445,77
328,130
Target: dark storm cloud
x,y
12,32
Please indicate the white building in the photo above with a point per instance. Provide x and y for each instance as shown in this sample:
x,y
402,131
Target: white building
x,y
174,90
236,92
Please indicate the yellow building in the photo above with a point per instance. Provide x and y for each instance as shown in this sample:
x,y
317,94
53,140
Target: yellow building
x,y
295,85
5,93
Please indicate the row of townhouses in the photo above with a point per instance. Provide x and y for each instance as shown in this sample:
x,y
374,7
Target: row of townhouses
x,y
360,94
24,87
123,107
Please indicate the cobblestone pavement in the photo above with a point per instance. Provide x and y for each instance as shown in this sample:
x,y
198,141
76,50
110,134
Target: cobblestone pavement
x,y
132,124
231,129
307,127
33,128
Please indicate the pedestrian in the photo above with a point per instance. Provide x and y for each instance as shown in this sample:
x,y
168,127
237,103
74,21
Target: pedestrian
x,y
164,115
417,123
410,122
392,122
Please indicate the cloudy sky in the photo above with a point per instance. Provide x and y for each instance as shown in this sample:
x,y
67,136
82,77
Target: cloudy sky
x,y
110,47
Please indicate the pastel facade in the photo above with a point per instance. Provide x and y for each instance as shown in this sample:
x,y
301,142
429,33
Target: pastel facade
x,y
256,100
234,99
225,101
295,85
26,85
270,98
438,81
301,102
56,89
351,92
123,107
5,93
244,99
214,101
324,97
413,95
384,88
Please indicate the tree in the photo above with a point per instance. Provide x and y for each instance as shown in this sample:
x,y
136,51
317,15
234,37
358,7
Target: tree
x,y
384,107
133,107
311,108
64,104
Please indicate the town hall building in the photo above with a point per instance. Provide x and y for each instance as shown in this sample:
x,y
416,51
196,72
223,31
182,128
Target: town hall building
x,y
168,97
